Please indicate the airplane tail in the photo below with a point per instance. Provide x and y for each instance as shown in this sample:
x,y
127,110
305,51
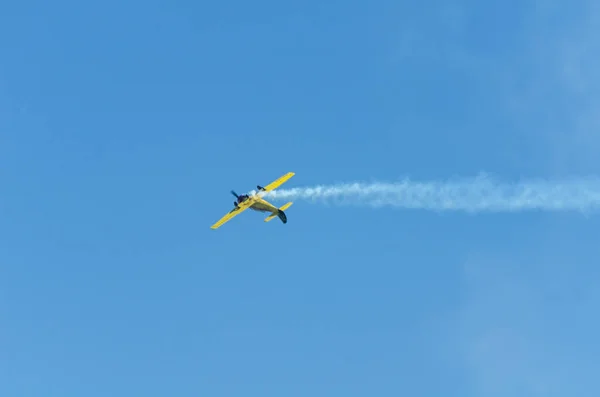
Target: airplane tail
x,y
280,214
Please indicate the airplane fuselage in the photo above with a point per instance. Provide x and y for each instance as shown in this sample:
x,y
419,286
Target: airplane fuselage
x,y
258,204
262,206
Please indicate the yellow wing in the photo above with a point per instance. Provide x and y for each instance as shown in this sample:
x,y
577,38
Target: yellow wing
x,y
234,212
278,182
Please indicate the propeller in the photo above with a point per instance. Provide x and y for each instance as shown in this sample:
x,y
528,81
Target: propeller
x,y
235,194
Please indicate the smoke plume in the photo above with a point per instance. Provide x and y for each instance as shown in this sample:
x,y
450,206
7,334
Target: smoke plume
x,y
478,194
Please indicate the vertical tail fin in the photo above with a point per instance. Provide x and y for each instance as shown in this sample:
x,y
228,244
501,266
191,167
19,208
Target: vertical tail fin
x,y
280,213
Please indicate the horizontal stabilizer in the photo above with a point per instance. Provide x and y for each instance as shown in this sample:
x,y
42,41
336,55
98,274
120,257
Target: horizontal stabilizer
x,y
285,206
281,209
270,217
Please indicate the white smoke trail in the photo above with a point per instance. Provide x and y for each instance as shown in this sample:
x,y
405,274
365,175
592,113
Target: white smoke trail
x,y
478,194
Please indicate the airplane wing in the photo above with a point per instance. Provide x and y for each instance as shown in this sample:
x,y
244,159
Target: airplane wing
x,y
278,182
231,214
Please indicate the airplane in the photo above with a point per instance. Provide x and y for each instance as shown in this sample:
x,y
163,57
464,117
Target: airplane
x,y
257,203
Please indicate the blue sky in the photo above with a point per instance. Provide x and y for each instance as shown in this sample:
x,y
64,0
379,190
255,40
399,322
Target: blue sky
x,y
123,126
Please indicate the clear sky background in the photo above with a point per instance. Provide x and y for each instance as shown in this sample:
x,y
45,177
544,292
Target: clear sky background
x,y
124,124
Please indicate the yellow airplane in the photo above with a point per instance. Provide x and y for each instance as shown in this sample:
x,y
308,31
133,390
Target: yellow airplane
x,y
257,203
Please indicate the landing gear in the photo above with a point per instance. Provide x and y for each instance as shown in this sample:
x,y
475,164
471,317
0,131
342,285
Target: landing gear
x,y
260,188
